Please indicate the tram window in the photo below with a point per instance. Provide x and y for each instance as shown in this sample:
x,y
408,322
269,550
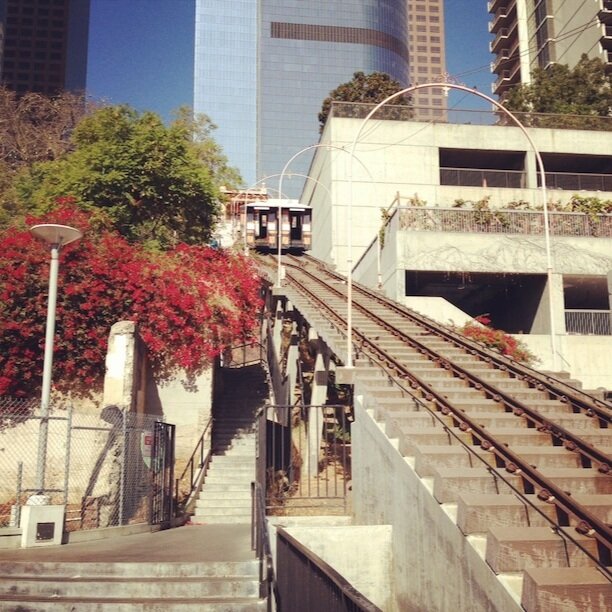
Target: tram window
x,y
294,222
264,220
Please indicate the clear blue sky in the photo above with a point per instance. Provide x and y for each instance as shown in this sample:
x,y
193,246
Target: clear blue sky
x,y
141,52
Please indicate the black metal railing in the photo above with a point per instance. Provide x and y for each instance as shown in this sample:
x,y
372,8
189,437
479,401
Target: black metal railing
x,y
162,466
480,177
191,478
260,543
306,582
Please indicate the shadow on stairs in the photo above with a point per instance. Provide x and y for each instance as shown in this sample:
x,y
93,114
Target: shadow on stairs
x,y
225,496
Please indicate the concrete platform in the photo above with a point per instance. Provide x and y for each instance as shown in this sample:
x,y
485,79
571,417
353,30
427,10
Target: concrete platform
x,y
190,543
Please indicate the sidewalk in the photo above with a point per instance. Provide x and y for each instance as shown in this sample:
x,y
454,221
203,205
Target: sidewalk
x,y
190,543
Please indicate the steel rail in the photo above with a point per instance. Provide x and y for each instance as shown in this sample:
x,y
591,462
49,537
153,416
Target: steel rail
x,y
520,409
577,397
572,441
513,462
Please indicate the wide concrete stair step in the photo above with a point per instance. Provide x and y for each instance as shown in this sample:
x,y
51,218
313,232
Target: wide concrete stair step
x,y
476,513
449,483
543,407
513,549
428,458
129,586
573,589
26,603
208,502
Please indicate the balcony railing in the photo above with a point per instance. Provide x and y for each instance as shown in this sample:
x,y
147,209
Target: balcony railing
x,y
471,177
504,222
458,116
515,179
575,181
589,322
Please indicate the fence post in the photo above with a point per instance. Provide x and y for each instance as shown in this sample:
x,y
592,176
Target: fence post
x,y
67,455
18,493
123,455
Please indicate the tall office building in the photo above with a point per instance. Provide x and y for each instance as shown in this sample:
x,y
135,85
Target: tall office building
x,y
427,55
43,45
531,34
263,69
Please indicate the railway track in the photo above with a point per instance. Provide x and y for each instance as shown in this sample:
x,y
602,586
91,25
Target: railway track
x,y
521,456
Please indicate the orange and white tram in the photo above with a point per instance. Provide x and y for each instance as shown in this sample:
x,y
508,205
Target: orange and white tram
x,y
262,227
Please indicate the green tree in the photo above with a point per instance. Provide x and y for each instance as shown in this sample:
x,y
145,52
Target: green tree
x,y
140,177
369,89
34,128
585,90
207,149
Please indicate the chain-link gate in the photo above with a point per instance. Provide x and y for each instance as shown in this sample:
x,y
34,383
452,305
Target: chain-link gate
x,y
162,474
97,463
305,458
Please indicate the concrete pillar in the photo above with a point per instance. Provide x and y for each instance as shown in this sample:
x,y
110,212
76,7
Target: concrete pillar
x,y
292,357
121,378
531,176
315,414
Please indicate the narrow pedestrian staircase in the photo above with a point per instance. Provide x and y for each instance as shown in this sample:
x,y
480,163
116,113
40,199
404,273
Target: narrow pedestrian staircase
x,y
225,496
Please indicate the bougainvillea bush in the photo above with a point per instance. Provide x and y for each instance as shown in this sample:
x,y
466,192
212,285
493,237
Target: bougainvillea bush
x,y
189,303
497,339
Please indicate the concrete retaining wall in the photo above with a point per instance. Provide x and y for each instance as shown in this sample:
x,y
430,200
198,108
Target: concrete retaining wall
x,y
435,567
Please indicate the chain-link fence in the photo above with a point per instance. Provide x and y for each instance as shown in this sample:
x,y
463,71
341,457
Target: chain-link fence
x,y
98,464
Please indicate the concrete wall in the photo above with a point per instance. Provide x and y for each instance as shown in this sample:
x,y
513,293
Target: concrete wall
x,y
395,156
361,554
586,358
128,385
434,566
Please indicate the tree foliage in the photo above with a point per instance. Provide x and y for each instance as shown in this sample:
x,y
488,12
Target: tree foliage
x,y
189,303
34,128
141,177
207,149
369,89
584,90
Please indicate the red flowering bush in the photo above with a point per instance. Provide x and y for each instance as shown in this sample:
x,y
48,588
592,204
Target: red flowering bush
x,y
497,339
189,303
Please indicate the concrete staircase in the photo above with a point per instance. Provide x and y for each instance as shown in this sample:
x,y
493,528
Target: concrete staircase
x,y
130,587
225,496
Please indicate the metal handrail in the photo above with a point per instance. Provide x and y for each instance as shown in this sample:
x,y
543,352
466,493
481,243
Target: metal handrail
x,y
260,543
198,471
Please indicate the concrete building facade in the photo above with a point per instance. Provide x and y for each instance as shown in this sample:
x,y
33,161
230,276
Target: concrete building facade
x,y
43,45
531,34
262,70
423,202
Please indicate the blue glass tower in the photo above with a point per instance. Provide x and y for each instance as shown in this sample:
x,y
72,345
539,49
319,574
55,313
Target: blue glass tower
x,y
263,68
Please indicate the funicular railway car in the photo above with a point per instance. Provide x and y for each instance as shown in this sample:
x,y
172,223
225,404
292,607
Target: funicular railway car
x,y
261,225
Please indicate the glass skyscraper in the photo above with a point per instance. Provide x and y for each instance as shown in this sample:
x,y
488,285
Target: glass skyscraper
x,y
263,68
43,45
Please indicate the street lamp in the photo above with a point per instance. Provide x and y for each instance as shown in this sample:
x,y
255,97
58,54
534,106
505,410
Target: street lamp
x,y
540,163
56,236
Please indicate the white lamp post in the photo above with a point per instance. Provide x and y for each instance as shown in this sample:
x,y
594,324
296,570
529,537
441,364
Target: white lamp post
x,y
55,236
547,246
